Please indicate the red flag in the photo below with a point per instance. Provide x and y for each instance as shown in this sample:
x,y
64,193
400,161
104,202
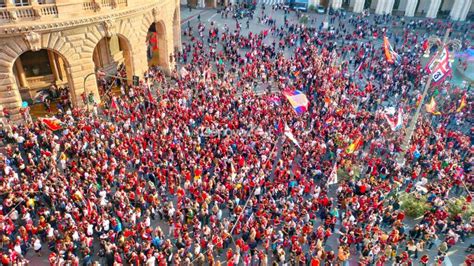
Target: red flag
x,y
113,104
89,207
150,97
52,123
333,176
390,55
154,41
425,45
280,127
441,70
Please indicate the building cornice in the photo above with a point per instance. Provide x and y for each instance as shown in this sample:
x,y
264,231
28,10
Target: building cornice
x,y
12,30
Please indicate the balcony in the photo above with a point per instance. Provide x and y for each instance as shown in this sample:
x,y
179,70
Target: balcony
x,y
21,13
62,10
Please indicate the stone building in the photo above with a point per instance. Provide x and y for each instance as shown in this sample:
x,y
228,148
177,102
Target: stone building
x,y
205,3
457,10
45,42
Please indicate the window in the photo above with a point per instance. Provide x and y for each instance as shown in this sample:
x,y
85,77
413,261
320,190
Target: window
x,y
2,3
22,2
36,63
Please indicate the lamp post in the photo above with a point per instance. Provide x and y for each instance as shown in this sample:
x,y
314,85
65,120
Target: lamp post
x,y
432,40
326,18
100,73
85,89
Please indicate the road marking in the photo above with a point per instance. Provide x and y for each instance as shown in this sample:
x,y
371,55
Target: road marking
x,y
209,19
447,261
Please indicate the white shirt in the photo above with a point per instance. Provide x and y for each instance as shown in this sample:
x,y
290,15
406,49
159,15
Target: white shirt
x,y
37,244
90,229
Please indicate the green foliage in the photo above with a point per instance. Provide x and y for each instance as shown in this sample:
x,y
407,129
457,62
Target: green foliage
x,y
304,20
459,205
312,8
413,205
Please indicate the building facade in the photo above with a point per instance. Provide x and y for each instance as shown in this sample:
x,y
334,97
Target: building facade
x,y
457,10
208,3
62,42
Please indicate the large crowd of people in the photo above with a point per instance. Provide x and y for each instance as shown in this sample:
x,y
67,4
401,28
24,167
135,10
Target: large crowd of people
x,y
194,170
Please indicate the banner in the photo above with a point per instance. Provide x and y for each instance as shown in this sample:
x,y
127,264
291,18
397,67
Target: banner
x,y
442,70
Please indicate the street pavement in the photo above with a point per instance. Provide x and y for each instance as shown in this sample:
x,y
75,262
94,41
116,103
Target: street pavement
x,y
456,255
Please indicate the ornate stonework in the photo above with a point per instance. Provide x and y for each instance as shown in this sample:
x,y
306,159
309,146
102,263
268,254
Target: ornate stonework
x,y
155,13
74,30
108,27
47,25
33,40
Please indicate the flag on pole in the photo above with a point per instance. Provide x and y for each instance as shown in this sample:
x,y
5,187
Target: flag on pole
x,y
359,67
390,55
298,100
396,121
89,207
431,107
418,100
290,135
441,70
274,100
184,72
52,123
462,104
425,45
279,127
150,96
354,145
333,176
113,104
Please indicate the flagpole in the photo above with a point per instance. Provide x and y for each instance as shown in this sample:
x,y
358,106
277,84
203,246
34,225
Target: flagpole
x,y
296,161
262,165
410,130
279,146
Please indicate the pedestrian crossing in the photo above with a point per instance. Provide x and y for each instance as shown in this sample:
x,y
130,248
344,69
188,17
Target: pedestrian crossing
x,y
271,2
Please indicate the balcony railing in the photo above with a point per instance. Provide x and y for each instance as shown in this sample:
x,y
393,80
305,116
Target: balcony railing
x,y
12,14
48,10
97,5
20,13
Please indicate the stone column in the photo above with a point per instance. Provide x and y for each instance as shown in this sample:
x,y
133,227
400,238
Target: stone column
x,y
380,8
389,6
21,73
53,65
411,8
165,45
201,3
359,6
61,69
465,10
456,10
433,9
79,70
177,30
336,4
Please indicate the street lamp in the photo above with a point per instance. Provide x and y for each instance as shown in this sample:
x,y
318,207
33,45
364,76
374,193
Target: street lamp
x,y
85,89
432,40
